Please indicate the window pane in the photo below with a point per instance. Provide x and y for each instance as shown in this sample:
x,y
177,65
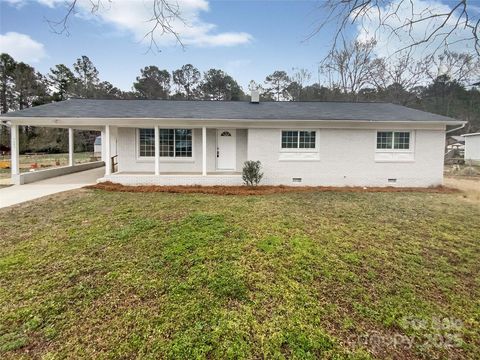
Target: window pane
x,y
147,142
289,139
384,140
401,140
183,142
307,140
167,142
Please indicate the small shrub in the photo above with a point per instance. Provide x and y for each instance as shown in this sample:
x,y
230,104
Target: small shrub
x,y
251,173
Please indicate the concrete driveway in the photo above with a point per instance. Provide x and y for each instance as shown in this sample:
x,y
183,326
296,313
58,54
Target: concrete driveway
x,y
17,194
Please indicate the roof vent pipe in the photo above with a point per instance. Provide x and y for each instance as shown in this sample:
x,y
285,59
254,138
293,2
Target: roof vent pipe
x,y
255,97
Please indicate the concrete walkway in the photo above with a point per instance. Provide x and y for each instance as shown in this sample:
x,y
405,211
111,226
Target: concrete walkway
x,y
17,194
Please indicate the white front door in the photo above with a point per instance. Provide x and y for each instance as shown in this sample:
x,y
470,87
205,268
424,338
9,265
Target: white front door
x,y
226,146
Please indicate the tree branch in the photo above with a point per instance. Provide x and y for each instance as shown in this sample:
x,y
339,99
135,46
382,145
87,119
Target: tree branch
x,y
346,13
164,15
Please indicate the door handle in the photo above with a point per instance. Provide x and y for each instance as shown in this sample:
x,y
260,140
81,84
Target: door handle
x,y
218,152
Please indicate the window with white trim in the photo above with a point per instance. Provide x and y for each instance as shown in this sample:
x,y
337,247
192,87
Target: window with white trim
x,y
174,143
146,142
293,139
393,140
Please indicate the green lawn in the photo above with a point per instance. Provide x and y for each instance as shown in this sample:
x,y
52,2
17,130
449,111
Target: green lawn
x,y
93,274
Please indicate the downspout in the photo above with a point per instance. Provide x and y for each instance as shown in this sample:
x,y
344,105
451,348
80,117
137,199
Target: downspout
x,y
449,131
455,129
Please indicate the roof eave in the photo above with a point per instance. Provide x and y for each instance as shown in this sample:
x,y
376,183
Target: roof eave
x,y
102,120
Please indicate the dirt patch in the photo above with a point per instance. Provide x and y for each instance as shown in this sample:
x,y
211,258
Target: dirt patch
x,y
257,190
469,187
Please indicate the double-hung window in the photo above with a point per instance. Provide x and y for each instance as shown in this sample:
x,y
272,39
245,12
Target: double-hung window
x,y
393,140
174,143
293,139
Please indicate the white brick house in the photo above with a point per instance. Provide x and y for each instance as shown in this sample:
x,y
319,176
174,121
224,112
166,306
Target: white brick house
x,y
298,143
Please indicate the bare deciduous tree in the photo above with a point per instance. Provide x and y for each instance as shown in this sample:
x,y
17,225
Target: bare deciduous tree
x,y
254,86
439,26
350,68
299,77
462,67
397,78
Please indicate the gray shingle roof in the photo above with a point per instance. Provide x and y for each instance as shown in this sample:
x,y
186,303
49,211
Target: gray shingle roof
x,y
82,108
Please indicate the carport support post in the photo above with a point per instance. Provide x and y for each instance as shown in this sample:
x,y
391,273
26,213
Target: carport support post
x,y
70,147
204,151
157,150
15,149
102,135
108,158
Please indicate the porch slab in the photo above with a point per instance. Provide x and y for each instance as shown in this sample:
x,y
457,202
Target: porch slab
x,y
177,173
174,179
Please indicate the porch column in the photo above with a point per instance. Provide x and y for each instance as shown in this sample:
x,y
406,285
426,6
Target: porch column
x,y
70,147
102,135
15,149
157,150
204,151
108,157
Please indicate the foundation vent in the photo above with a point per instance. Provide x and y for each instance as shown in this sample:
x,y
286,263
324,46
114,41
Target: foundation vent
x,y
297,180
392,181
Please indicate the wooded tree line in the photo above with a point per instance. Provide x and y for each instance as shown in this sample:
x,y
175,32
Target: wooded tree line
x,y
439,84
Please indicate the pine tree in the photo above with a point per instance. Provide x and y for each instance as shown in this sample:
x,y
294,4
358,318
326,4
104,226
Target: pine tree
x,y
187,79
63,80
153,83
87,78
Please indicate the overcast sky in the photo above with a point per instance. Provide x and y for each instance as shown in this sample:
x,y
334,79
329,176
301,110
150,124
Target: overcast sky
x,y
247,39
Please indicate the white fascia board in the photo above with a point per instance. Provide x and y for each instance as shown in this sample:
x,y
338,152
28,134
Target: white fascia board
x,y
245,123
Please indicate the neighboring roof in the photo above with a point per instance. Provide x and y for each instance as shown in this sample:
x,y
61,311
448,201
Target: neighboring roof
x,y
459,139
228,110
472,134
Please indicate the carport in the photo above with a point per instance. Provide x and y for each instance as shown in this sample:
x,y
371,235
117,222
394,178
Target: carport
x,y
19,178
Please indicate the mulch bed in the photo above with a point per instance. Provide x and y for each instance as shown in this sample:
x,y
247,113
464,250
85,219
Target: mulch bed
x,y
258,190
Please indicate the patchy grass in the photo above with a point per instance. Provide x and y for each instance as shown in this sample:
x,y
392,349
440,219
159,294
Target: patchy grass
x,y
256,190
93,274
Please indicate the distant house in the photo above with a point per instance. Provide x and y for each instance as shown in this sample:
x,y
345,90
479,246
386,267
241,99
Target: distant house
x,y
455,142
97,147
472,147
455,147
168,142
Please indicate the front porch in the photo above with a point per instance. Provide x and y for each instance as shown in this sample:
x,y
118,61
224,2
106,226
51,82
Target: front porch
x,y
161,155
153,153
